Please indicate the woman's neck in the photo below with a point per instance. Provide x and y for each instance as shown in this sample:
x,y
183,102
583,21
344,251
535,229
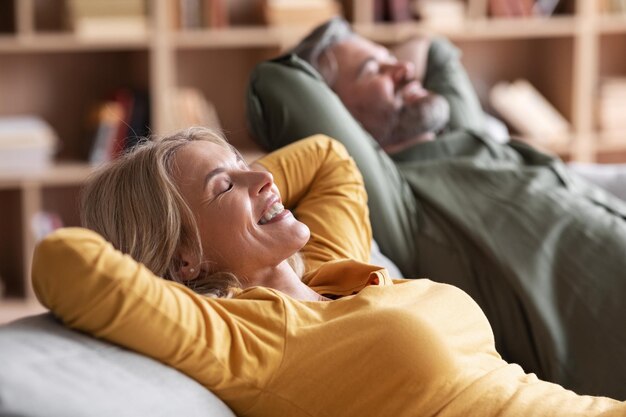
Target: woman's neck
x,y
284,279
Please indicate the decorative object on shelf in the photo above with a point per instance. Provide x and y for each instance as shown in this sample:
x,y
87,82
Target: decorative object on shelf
x,y
27,144
304,13
612,6
119,123
530,113
522,8
45,222
189,107
545,7
199,14
105,19
611,108
440,12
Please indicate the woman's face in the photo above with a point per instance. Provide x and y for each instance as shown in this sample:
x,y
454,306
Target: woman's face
x,y
243,228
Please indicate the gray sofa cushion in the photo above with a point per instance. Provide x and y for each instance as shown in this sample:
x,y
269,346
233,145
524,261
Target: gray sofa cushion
x,y
49,370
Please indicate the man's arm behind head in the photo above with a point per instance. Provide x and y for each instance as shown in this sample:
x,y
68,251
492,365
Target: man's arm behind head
x,y
288,100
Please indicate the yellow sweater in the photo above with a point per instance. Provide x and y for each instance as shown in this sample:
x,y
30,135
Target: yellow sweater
x,y
413,348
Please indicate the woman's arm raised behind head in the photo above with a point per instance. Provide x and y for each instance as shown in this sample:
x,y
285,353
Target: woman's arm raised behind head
x,y
320,182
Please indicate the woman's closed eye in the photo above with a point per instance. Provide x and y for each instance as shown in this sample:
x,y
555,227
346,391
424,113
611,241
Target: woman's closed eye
x,y
224,185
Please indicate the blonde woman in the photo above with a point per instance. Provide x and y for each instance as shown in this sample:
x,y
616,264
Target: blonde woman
x,y
351,342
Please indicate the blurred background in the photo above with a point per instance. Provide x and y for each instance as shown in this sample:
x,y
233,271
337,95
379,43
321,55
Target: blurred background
x,y
80,80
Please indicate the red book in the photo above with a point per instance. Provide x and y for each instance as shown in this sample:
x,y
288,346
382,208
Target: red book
x,y
125,98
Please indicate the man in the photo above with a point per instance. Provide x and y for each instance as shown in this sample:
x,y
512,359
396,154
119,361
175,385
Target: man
x,y
539,249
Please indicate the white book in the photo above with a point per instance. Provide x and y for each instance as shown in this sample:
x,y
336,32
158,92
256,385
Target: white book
x,y
26,143
529,112
111,27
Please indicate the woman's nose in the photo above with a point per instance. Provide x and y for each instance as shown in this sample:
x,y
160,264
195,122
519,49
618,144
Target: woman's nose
x,y
261,181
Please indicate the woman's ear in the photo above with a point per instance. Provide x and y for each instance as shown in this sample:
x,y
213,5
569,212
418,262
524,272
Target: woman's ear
x,y
187,268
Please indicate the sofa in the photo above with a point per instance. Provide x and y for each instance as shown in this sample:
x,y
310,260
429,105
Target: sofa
x,y
48,370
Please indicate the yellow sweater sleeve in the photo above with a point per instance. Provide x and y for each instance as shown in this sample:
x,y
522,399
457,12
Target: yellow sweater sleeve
x,y
321,184
225,344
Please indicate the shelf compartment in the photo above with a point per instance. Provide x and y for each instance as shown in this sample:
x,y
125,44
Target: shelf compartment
x,y
222,76
54,86
7,17
545,62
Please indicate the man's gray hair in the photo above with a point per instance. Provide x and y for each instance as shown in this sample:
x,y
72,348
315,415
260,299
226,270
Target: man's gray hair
x,y
322,38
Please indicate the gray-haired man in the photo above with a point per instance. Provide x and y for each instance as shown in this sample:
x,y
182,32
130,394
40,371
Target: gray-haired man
x,y
540,249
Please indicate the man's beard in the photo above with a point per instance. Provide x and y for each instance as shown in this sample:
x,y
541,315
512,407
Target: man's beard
x,y
429,114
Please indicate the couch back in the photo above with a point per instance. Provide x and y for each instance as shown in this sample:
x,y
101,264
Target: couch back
x,y
49,370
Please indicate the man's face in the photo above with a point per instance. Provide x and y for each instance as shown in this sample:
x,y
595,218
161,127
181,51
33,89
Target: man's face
x,y
383,94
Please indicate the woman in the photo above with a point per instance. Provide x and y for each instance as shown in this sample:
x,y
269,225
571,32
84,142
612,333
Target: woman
x,y
190,209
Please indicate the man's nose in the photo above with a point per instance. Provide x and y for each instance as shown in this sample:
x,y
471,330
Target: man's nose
x,y
400,71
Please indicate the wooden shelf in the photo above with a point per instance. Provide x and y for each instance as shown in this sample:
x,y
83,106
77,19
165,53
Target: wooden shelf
x,y
481,29
238,37
611,142
62,174
609,24
67,42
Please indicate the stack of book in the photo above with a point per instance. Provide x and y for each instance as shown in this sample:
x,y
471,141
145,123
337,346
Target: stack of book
x,y
199,14
612,6
522,8
612,106
119,123
529,113
27,144
440,12
305,13
108,18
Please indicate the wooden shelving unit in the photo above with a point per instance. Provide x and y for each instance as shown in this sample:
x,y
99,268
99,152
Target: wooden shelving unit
x,y
47,70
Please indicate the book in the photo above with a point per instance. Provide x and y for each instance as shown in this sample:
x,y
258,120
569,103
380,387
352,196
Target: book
x,y
190,14
189,107
511,8
107,116
27,143
45,222
392,10
611,106
440,12
120,123
139,119
529,112
105,19
545,7
215,14
299,12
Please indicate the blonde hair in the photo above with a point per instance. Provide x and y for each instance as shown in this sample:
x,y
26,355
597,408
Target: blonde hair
x,y
135,204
